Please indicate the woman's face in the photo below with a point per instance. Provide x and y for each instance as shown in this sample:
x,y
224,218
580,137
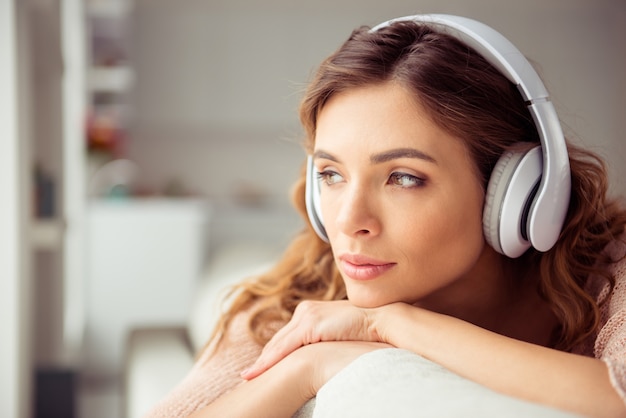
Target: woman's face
x,y
401,201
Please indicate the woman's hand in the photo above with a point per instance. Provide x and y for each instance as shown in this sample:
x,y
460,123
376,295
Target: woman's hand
x,y
325,359
314,322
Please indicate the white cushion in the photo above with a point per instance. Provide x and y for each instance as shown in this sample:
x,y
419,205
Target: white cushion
x,y
398,383
148,377
229,265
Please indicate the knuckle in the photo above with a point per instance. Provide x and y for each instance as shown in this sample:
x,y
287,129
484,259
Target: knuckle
x,y
306,308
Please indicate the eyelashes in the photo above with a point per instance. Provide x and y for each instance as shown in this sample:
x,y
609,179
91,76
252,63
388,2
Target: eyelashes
x,y
406,180
329,177
399,179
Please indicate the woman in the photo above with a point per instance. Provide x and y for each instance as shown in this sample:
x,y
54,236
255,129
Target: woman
x,y
405,125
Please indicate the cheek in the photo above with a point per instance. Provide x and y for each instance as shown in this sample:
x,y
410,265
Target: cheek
x,y
442,235
448,234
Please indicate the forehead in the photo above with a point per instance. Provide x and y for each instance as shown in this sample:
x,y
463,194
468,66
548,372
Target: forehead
x,y
379,117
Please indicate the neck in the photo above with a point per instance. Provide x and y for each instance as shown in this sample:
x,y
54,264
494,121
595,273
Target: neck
x,y
499,297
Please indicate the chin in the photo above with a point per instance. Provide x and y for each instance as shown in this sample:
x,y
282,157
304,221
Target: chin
x,y
368,301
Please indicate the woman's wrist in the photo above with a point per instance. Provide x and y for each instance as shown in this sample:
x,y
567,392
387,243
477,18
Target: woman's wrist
x,y
304,376
317,363
406,326
383,321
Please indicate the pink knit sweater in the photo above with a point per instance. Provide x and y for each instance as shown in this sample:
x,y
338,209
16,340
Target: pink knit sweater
x,y
215,372
609,344
217,369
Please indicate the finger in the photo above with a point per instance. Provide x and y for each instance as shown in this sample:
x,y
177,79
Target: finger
x,y
268,360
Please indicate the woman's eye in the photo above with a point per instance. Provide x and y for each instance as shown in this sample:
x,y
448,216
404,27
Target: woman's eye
x,y
405,180
329,177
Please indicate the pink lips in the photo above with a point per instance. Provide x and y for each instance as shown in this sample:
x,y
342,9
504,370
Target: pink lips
x,y
359,267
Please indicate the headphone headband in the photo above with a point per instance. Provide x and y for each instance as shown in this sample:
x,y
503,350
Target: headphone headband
x,y
489,43
549,206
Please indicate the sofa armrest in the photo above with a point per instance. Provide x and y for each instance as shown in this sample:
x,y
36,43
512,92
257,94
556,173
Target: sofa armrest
x,y
148,378
398,383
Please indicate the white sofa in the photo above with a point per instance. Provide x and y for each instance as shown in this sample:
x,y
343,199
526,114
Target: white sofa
x,y
156,359
390,383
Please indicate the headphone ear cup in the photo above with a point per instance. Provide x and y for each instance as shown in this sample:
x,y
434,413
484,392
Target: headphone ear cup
x,y
510,194
312,200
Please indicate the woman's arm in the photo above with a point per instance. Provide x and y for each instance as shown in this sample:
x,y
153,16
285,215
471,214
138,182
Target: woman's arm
x,y
523,370
277,393
284,388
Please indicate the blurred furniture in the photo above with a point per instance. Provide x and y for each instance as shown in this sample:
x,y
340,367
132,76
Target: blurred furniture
x,y
157,358
145,257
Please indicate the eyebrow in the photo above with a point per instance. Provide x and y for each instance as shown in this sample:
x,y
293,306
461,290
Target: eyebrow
x,y
382,157
398,153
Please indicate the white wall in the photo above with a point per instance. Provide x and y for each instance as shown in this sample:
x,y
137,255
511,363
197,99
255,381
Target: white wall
x,y
218,83
15,318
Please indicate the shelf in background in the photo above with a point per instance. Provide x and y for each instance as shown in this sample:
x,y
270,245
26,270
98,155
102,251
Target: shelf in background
x,y
110,79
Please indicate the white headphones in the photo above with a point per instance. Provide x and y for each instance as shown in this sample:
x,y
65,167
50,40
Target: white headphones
x,y
529,191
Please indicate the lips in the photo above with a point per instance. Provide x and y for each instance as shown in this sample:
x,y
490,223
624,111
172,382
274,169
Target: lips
x,y
362,268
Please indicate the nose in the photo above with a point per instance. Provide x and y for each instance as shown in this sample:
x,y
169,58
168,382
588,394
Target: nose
x,y
356,214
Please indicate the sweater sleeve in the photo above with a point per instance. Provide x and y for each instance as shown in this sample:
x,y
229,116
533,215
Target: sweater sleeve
x,y
610,344
215,372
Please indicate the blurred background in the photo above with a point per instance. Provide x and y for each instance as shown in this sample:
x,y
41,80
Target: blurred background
x,y
138,138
